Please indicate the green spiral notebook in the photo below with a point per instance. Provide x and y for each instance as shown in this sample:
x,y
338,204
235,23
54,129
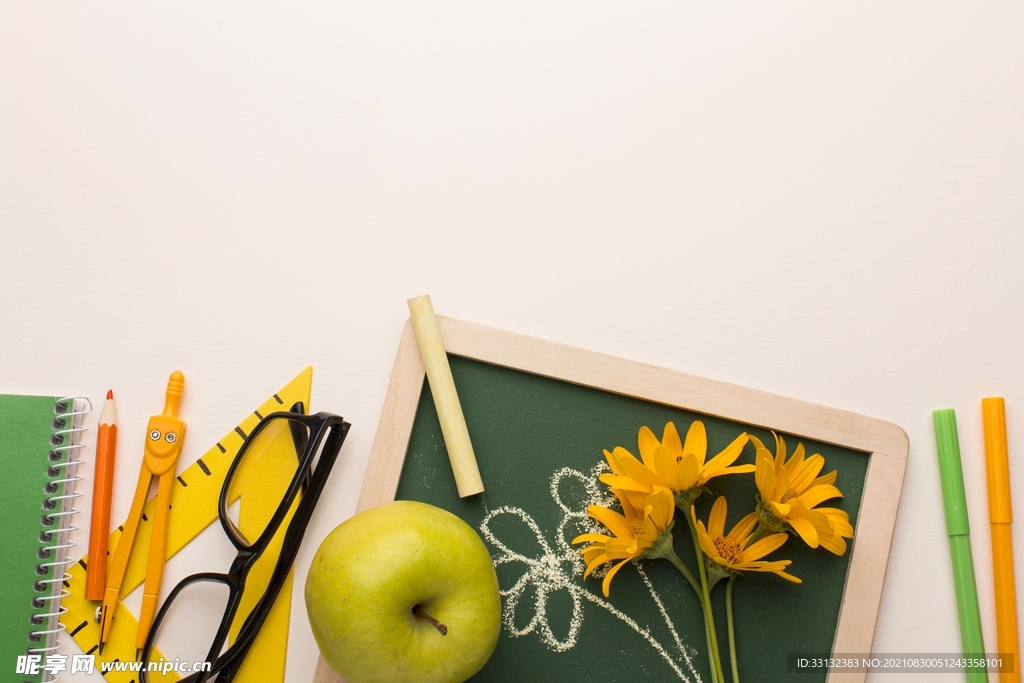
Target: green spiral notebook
x,y
39,439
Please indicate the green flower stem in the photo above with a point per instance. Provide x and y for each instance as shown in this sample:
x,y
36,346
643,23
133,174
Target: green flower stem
x,y
709,617
665,548
671,556
674,559
707,636
732,631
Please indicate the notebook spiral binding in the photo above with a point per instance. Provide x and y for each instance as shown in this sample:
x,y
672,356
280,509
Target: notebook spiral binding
x,y
58,508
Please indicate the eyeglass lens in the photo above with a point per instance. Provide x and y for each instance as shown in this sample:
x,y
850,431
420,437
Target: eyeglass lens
x,y
187,631
265,470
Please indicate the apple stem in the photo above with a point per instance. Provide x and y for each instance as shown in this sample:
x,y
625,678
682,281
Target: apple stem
x,y
441,628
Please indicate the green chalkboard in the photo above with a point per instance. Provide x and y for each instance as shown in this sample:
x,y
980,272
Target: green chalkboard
x,y
538,442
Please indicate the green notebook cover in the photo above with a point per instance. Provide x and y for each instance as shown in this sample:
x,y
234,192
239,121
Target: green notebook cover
x,y
32,456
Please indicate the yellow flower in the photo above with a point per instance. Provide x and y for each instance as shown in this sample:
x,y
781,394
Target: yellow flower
x,y
646,519
733,552
790,492
677,466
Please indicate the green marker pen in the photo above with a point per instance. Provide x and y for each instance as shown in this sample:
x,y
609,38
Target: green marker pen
x,y
954,499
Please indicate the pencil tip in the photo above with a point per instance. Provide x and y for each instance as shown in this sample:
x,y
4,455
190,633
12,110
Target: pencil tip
x,y
101,648
137,653
110,393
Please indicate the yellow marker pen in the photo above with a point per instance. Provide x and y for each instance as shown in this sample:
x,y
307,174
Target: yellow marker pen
x,y
1000,517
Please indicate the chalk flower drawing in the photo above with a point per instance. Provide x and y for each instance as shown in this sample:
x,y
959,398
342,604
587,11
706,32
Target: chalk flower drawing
x,y
559,568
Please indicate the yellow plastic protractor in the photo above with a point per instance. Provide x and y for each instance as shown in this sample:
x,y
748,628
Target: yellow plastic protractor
x,y
193,508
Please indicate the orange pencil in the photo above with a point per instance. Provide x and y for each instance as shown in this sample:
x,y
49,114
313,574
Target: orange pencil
x,y
99,528
1000,512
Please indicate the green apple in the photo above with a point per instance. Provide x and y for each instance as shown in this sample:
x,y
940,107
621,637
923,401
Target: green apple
x,y
404,592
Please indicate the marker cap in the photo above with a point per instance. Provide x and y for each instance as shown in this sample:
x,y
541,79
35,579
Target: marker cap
x,y
954,497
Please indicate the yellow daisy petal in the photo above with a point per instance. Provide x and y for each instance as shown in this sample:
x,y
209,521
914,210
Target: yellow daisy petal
x,y
716,521
590,538
618,548
670,440
819,494
595,560
706,544
758,444
647,442
663,506
615,522
796,461
664,463
696,441
727,457
763,566
688,473
606,584
624,483
840,521
764,475
613,462
780,451
801,476
762,547
637,500
744,528
640,473
829,478
737,469
788,577
806,531
835,545
781,484
630,510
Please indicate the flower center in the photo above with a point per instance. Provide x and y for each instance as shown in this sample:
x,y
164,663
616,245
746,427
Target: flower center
x,y
788,495
637,527
728,549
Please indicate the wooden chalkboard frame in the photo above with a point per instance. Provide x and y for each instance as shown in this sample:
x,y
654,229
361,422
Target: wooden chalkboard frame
x,y
886,443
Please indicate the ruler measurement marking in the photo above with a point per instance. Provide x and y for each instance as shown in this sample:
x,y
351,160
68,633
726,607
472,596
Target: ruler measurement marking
x,y
203,467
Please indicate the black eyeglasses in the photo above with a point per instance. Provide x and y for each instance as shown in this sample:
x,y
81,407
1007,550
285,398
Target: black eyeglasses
x,y
282,445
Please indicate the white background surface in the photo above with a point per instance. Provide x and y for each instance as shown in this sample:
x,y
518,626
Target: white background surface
x,y
819,201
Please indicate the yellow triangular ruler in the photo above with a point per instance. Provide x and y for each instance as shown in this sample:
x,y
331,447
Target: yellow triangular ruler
x,y
193,508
